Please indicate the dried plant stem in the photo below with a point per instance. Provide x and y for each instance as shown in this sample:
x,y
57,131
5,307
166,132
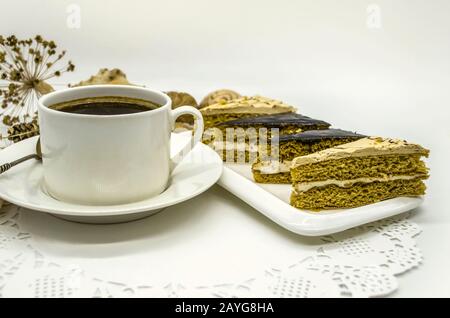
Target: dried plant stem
x,y
25,67
20,134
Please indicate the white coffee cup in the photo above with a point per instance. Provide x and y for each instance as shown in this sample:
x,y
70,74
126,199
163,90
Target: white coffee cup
x,y
109,159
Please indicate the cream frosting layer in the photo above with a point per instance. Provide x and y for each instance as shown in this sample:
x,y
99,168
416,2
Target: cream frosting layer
x,y
248,105
272,167
370,146
305,186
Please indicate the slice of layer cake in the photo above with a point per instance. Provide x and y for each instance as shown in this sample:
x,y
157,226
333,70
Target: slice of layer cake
x,y
358,173
274,166
244,136
242,108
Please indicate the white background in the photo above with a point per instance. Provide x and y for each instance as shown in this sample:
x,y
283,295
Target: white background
x,y
321,56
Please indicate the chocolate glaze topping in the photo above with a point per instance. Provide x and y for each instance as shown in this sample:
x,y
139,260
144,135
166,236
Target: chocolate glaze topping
x,y
279,120
323,134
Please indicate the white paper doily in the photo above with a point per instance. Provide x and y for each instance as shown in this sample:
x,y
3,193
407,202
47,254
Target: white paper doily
x,y
361,262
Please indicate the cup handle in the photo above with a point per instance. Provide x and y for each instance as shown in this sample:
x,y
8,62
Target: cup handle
x,y
198,132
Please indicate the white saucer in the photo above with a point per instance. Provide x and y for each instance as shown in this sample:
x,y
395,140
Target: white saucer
x,y
23,185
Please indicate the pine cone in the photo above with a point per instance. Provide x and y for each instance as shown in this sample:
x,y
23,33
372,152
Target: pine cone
x,y
23,131
219,96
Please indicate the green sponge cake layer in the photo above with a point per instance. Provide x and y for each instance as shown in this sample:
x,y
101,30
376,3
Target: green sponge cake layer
x,y
282,177
295,148
361,172
265,170
335,197
360,167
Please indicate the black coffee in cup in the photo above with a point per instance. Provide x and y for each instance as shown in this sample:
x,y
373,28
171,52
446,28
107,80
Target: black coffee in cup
x,y
105,105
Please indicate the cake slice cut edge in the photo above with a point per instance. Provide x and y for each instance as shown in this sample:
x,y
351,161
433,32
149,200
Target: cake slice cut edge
x,y
366,171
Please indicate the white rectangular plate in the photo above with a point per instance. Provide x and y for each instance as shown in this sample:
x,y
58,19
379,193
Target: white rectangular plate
x,y
272,200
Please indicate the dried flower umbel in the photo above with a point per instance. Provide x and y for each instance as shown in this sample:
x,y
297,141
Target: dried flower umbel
x,y
25,68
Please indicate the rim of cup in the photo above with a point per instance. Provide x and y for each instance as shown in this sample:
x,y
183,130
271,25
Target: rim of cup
x,y
43,103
